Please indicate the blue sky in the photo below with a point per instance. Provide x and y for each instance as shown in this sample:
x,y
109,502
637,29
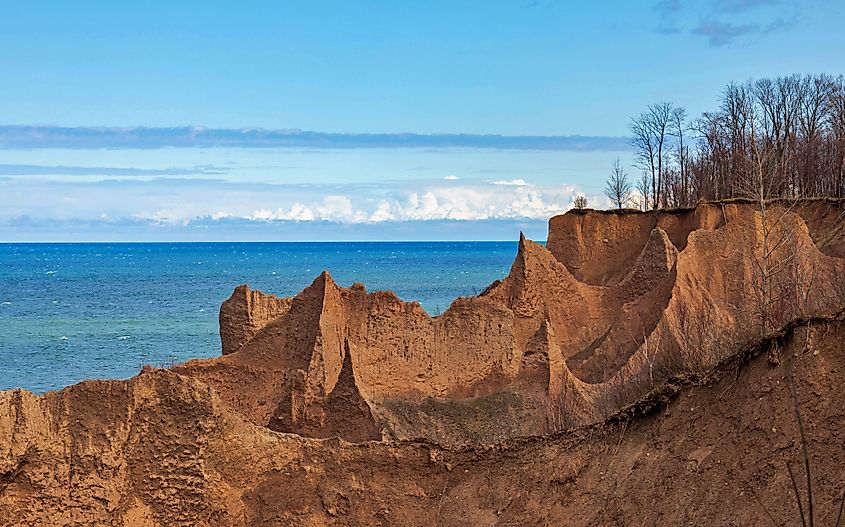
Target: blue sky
x,y
530,73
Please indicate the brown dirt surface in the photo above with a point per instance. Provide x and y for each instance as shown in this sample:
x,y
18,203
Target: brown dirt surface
x,y
618,377
614,304
163,449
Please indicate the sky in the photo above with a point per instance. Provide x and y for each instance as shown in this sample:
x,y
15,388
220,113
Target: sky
x,y
355,119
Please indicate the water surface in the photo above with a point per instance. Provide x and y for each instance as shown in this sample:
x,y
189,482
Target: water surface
x,y
70,312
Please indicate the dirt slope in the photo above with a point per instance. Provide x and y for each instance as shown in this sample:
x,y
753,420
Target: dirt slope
x,y
162,449
615,304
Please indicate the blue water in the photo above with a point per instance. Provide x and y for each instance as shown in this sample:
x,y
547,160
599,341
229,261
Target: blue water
x,y
70,312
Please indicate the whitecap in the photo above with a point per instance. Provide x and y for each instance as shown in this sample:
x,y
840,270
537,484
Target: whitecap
x,y
124,337
6,303
63,338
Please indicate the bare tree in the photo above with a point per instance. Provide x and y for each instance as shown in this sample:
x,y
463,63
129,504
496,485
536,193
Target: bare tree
x,y
642,191
836,141
649,349
758,187
650,132
580,202
646,153
661,118
798,124
799,131
777,251
708,173
618,186
678,127
812,116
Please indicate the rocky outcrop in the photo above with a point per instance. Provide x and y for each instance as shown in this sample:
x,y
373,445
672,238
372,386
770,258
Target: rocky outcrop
x,y
615,303
601,247
245,313
343,411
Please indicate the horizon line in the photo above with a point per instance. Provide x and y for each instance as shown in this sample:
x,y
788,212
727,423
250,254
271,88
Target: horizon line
x,y
103,242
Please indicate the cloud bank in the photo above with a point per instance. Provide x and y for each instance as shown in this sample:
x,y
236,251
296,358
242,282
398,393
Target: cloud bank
x,y
32,137
468,201
172,208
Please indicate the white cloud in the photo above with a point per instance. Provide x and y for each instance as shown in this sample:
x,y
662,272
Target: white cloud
x,y
296,212
180,202
511,182
330,208
171,216
465,202
475,202
451,178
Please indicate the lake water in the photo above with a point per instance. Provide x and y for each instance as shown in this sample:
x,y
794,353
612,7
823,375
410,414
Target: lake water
x,y
70,312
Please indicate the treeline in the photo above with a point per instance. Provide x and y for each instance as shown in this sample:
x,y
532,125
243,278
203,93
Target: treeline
x,y
784,137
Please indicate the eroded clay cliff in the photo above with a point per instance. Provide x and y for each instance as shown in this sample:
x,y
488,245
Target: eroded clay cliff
x,y
615,303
